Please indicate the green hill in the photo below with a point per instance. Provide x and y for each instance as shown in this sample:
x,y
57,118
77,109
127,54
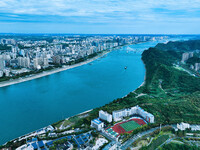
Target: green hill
x,y
183,46
170,93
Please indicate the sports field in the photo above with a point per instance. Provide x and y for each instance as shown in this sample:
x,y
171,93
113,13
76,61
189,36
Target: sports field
x,y
130,125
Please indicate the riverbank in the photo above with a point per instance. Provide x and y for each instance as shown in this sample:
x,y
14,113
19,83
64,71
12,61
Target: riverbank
x,y
96,71
56,70
46,73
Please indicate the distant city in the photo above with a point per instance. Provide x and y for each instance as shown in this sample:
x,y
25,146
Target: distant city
x,y
21,55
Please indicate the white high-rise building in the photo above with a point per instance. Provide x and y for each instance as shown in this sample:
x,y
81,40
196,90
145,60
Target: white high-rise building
x,y
27,62
35,62
46,63
1,73
2,64
105,116
7,72
24,62
119,114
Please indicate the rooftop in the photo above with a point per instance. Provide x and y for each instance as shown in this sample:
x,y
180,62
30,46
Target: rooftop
x,y
97,121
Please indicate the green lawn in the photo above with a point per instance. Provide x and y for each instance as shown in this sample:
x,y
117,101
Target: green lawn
x,y
128,126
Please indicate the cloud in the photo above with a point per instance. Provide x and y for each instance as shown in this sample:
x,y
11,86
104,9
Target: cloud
x,y
92,7
113,12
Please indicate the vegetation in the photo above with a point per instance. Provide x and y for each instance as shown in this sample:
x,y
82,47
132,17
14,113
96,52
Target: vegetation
x,y
193,60
32,72
171,95
58,143
4,47
4,78
156,143
175,146
180,45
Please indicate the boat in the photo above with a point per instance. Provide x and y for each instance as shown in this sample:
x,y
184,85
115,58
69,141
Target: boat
x,y
125,67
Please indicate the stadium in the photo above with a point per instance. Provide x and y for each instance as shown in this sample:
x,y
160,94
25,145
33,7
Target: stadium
x,y
127,126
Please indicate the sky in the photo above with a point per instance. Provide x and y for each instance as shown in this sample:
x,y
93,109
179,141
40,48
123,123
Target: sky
x,y
100,16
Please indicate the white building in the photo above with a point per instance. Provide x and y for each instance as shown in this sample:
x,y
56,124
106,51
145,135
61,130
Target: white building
x,y
1,73
195,127
2,64
119,114
182,126
147,116
46,63
105,116
24,62
97,124
7,72
35,62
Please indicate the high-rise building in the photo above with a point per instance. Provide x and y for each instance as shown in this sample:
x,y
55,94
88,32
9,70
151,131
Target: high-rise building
x,y
46,62
7,72
1,73
2,64
35,63
56,59
119,114
19,61
27,62
24,62
105,116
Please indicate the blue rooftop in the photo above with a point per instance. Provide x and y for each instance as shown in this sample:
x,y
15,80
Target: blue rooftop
x,y
29,141
49,143
34,145
97,121
40,143
34,139
69,137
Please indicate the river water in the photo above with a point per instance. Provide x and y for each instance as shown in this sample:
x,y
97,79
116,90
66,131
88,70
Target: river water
x,y
30,105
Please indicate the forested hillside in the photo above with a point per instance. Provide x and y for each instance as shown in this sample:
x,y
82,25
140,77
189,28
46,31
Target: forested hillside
x,y
180,45
171,94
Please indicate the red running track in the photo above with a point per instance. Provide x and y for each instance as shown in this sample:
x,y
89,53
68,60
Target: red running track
x,y
117,128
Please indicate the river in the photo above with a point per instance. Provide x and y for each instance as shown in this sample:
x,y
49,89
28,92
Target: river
x,y
30,105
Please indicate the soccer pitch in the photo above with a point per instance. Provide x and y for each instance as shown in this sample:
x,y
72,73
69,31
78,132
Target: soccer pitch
x,y
128,126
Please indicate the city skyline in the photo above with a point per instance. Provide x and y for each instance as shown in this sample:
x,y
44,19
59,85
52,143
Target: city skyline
x,y
100,17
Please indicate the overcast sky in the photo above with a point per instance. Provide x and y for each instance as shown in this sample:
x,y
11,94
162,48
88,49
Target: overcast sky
x,y
100,16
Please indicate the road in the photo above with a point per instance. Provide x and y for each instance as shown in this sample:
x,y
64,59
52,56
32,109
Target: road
x,y
137,136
